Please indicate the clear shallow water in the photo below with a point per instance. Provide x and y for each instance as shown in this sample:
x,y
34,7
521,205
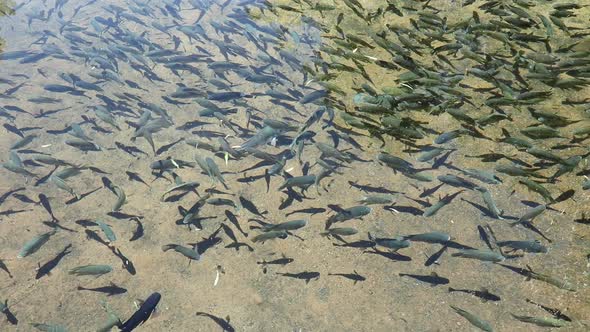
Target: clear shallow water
x,y
137,75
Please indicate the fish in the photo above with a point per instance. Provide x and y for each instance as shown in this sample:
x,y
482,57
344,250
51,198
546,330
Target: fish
x,y
270,235
284,226
298,181
48,327
10,317
91,270
139,231
432,237
251,207
394,244
563,284
480,254
312,211
280,261
223,323
35,244
473,319
432,210
542,321
531,214
525,246
23,142
107,230
60,183
190,253
355,212
377,199
490,203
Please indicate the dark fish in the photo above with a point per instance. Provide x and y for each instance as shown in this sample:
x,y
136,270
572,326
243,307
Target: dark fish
x,y
135,177
127,264
436,256
45,202
132,150
249,205
433,279
311,211
223,323
368,188
9,193
5,268
352,276
138,233
110,290
142,314
24,199
234,220
357,244
280,261
13,129
307,276
9,315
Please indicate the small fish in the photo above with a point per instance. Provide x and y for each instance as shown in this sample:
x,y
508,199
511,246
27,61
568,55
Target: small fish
x,y
311,211
250,206
542,321
473,319
377,199
432,237
9,315
44,200
270,236
190,253
339,231
285,226
121,198
531,214
393,244
480,254
138,233
60,183
34,244
49,327
355,212
223,323
280,261
110,290
563,284
526,246
352,276
91,270
490,203
298,181
107,230
23,142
